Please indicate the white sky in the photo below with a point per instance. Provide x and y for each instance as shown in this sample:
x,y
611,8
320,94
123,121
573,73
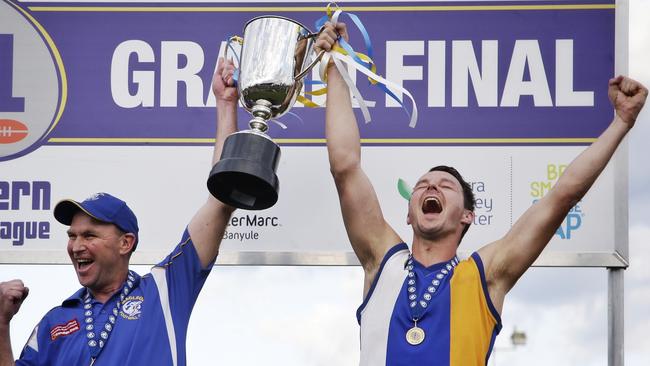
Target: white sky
x,y
306,315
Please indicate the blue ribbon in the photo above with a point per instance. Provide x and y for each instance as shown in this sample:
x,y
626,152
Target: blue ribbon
x,y
348,48
235,75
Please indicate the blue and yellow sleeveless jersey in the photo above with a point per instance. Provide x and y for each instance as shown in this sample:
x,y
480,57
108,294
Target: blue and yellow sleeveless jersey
x,y
460,325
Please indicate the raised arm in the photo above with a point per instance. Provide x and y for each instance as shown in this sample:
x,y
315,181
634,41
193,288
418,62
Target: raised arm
x,y
209,223
369,234
508,258
12,294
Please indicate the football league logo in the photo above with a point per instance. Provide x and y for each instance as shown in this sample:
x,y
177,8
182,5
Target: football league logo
x,y
12,131
31,79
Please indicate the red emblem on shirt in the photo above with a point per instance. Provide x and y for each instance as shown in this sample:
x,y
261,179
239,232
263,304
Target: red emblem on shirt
x,y
64,329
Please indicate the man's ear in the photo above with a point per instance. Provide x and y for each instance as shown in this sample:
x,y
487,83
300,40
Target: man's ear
x,y
410,197
468,217
127,241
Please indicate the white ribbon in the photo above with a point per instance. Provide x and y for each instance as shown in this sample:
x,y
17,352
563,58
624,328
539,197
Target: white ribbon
x,y
346,77
282,125
350,61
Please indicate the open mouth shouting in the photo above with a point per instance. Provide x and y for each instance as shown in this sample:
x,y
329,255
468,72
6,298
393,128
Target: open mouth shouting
x,y
431,205
83,263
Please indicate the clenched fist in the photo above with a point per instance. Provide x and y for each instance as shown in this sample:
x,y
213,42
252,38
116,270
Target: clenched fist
x,y
12,295
329,35
628,97
223,82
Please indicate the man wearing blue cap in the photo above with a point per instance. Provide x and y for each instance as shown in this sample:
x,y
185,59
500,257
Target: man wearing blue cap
x,y
118,317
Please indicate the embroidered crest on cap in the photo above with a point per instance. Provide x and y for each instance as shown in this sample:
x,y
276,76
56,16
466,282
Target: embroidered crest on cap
x,y
94,197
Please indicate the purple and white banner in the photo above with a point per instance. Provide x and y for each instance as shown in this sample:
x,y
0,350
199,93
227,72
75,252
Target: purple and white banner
x,y
481,72
508,91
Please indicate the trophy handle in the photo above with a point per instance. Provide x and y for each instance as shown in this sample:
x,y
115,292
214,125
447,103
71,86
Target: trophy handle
x,y
311,66
237,39
313,63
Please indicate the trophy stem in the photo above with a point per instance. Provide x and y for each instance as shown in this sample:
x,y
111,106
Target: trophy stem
x,y
262,113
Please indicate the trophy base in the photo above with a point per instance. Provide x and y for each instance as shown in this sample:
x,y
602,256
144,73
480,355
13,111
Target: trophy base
x,y
245,176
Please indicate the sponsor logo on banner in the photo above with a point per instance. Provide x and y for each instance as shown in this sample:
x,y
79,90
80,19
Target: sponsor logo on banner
x,y
483,204
31,75
247,227
132,307
64,329
28,199
539,189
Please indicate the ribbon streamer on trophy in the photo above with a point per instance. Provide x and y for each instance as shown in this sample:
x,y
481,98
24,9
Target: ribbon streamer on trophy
x,y
345,54
273,62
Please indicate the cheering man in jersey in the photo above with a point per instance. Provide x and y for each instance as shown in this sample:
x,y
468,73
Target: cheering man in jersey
x,y
423,306
118,317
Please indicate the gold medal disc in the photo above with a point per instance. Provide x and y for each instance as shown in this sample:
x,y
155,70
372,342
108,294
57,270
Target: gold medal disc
x,y
415,336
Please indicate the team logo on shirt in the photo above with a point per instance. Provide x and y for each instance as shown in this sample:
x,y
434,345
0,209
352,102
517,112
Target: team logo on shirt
x,y
132,307
64,329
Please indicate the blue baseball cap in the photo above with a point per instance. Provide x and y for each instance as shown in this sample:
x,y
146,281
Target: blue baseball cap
x,y
102,207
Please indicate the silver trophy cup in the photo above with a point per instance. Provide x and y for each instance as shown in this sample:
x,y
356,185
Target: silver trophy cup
x,y
272,64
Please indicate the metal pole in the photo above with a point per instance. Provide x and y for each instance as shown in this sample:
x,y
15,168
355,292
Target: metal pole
x,y
615,280
615,318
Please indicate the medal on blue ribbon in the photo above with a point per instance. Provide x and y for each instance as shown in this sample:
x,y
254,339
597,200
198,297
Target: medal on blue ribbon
x,y
418,308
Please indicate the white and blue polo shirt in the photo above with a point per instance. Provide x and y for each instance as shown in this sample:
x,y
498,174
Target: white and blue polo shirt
x,y
151,324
